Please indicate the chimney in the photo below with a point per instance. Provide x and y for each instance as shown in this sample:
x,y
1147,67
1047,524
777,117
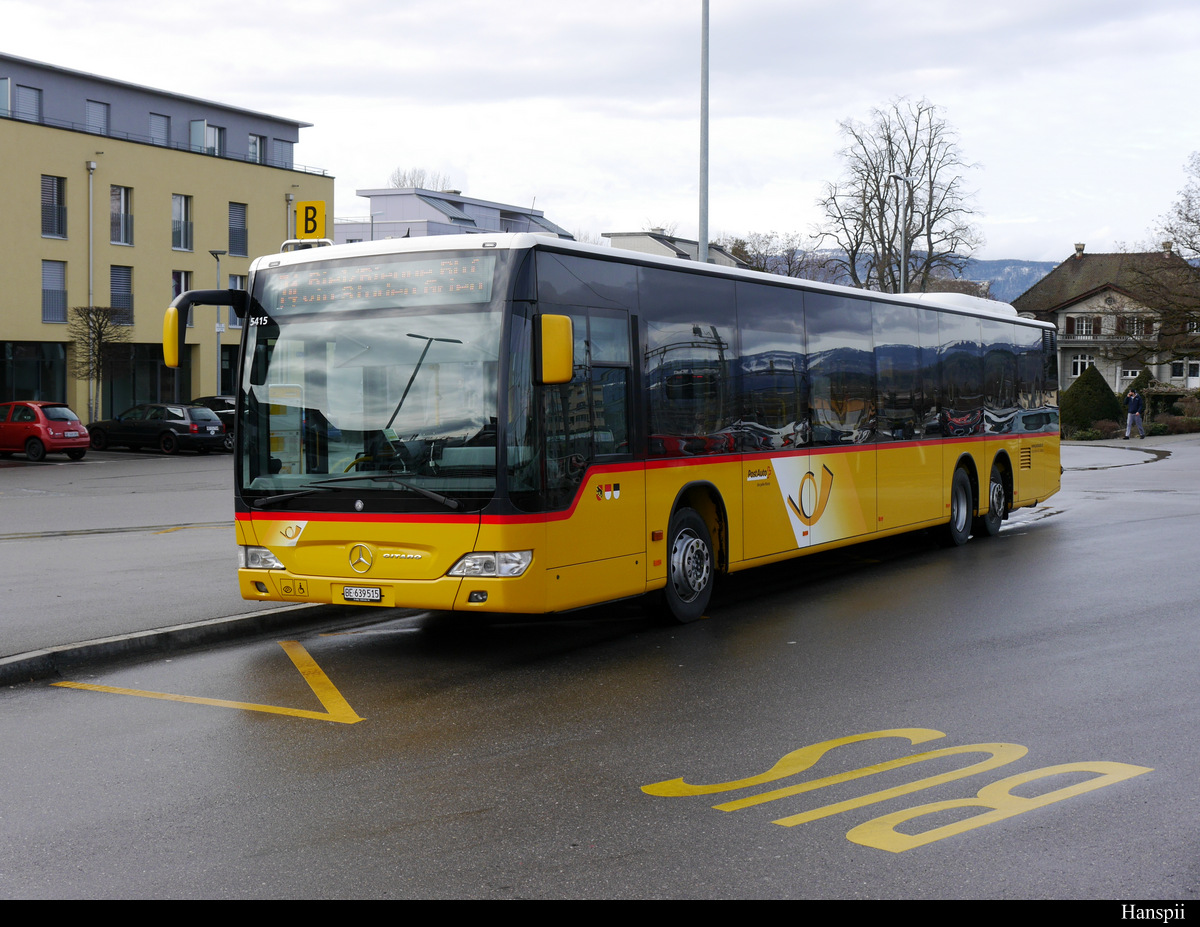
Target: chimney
x,y
1167,246
1078,250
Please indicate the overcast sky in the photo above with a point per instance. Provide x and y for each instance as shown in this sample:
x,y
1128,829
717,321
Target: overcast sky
x,y
1076,114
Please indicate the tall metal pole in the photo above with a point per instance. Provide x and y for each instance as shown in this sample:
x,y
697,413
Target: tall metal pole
x,y
908,183
220,325
703,236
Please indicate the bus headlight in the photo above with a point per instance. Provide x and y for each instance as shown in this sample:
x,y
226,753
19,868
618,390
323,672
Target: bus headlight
x,y
258,558
493,563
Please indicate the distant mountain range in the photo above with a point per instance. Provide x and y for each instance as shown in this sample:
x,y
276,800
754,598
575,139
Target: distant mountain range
x,y
1009,279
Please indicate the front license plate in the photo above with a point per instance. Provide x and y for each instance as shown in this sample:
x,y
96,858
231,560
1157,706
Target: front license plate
x,y
362,594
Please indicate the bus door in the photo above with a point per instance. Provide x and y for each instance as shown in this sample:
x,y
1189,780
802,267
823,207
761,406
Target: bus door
x,y
776,512
596,526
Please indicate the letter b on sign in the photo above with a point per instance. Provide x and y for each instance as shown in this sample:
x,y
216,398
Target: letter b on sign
x,y
310,219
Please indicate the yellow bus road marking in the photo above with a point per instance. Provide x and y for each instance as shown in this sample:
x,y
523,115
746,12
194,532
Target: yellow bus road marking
x,y
996,799
337,709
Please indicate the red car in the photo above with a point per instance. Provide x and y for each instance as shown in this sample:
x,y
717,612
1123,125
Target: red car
x,y
41,428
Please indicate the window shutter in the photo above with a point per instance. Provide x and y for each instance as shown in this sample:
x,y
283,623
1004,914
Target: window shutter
x,y
1070,325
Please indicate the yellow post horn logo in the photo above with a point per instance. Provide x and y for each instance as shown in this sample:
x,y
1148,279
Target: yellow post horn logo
x,y
822,497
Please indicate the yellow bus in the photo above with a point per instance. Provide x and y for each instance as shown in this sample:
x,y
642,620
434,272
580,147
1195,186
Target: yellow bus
x,y
518,423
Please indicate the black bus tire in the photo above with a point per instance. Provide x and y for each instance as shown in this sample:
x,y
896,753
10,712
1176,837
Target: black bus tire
x,y
988,525
958,529
690,566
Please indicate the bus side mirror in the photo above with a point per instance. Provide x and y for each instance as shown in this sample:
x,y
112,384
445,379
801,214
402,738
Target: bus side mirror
x,y
557,348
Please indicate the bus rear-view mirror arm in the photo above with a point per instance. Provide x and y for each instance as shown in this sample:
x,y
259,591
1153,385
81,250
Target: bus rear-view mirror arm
x,y
175,330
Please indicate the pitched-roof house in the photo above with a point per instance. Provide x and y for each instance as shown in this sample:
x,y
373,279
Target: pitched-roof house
x,y
1122,312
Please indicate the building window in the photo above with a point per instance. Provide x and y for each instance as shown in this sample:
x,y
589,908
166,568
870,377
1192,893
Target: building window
x,y
97,117
181,222
1133,325
121,215
181,282
1130,373
281,153
1193,327
54,207
27,103
160,129
236,282
1083,326
256,149
214,140
54,291
238,233
1176,369
120,290
1081,362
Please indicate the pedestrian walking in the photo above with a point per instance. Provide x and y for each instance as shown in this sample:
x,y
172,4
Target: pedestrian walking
x,y
1133,406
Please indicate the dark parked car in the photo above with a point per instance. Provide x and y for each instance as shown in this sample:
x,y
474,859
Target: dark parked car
x,y
226,409
169,425
41,428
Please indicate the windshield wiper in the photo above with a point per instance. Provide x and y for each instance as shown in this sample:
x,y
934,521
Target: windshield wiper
x,y
323,485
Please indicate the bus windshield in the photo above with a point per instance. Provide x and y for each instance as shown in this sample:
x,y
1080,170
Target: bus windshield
x,y
373,377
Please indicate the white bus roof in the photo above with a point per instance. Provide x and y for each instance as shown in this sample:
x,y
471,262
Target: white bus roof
x,y
961,302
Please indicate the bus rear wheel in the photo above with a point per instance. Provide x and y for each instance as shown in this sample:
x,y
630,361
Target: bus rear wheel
x,y
955,534
989,525
690,566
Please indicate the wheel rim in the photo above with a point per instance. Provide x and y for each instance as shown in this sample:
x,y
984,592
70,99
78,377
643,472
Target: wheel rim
x,y
996,494
691,566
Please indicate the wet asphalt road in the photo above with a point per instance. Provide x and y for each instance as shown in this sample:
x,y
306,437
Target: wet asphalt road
x,y
442,758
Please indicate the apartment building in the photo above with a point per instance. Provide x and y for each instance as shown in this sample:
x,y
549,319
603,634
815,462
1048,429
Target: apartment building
x,y
122,196
413,212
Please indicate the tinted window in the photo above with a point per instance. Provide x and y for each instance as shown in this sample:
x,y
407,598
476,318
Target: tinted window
x,y
772,369
901,394
59,414
841,369
962,376
571,280
689,337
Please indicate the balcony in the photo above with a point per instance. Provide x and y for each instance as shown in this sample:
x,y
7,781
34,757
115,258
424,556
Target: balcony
x,y
54,221
54,305
181,235
121,232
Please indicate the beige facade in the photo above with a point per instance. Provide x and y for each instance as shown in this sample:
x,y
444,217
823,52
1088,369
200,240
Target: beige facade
x,y
156,211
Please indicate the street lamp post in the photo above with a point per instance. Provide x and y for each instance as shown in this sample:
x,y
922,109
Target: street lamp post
x,y
220,325
908,182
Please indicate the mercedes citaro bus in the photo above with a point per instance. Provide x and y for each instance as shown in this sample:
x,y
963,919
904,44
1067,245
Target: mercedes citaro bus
x,y
519,423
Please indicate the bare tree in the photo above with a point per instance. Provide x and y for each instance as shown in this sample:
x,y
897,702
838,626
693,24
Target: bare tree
x,y
790,255
905,144
97,332
1182,223
403,177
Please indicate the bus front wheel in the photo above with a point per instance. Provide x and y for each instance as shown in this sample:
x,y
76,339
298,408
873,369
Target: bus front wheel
x,y
955,534
690,567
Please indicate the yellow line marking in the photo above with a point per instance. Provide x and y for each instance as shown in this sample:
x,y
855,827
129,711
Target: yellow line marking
x,y
337,709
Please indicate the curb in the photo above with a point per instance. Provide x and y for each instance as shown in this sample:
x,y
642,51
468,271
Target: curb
x,y
41,664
